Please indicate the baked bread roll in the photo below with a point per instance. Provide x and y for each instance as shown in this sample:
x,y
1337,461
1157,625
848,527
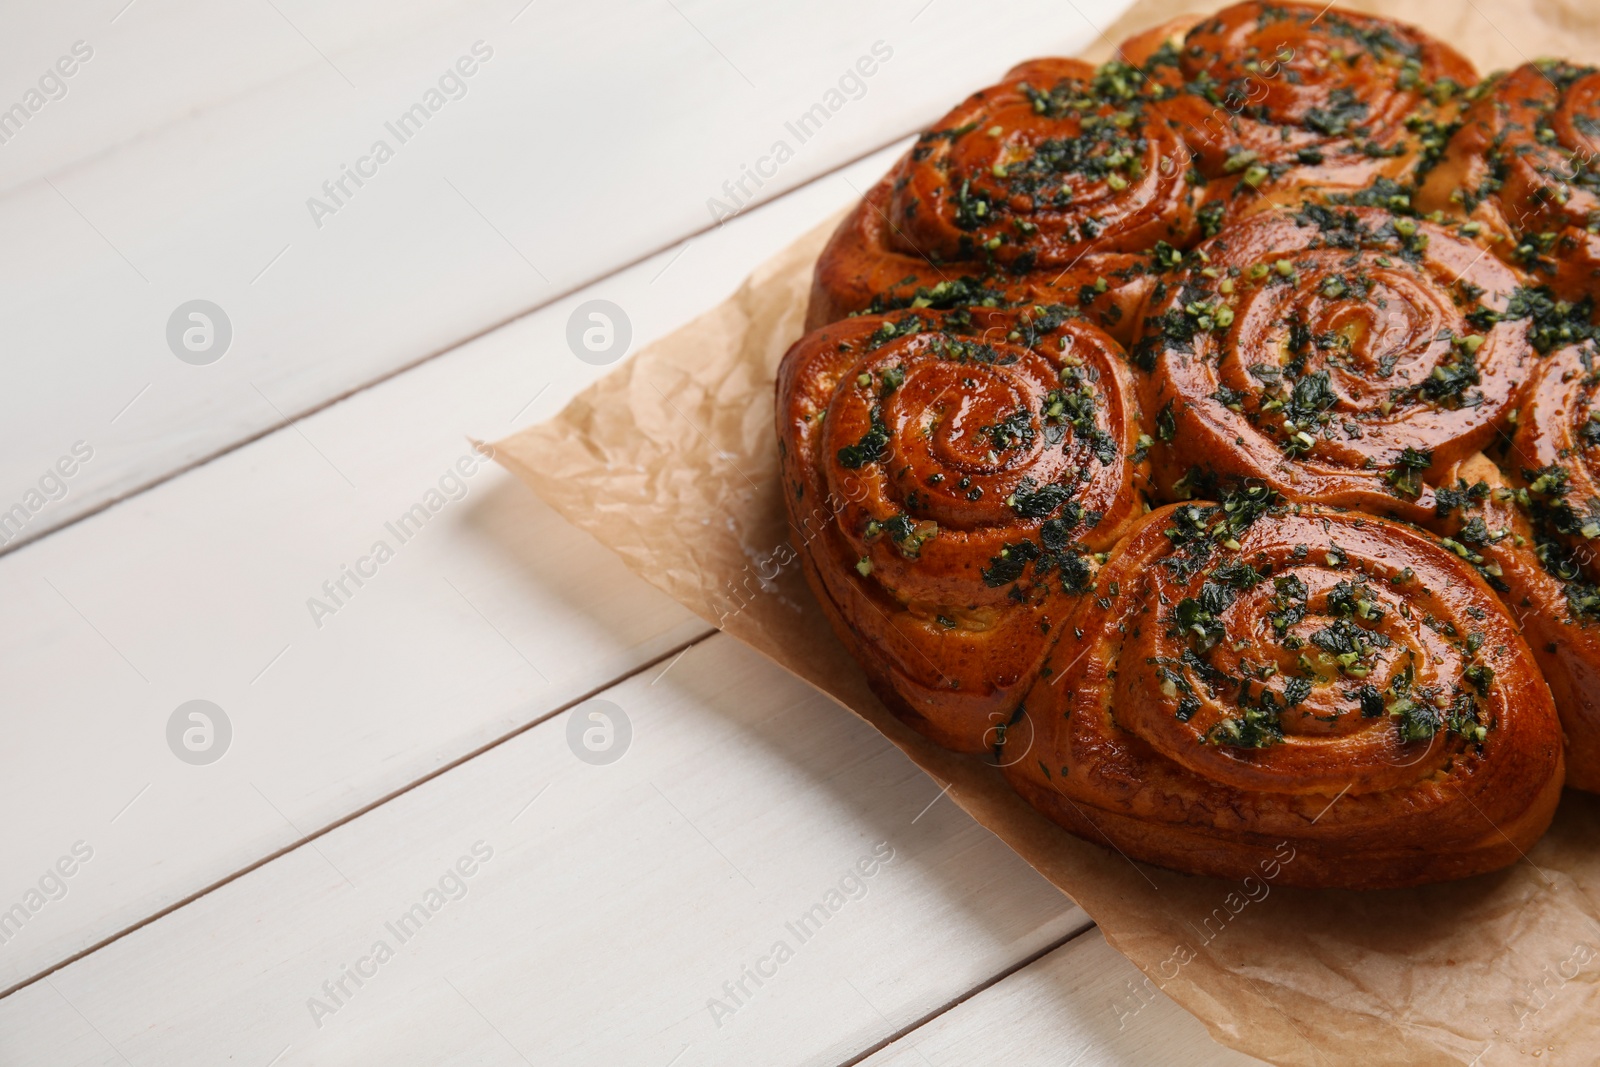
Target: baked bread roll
x,y
1158,46
1548,588
1285,213
1556,449
1555,458
1522,171
1342,356
1055,186
950,478
1278,97
1251,682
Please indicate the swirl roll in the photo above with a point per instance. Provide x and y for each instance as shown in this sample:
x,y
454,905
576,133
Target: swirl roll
x,y
950,479
1158,46
1556,449
1524,171
1055,186
1549,590
1339,356
1555,458
1284,94
1253,677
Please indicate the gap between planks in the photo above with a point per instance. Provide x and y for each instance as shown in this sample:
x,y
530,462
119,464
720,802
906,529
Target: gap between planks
x,y
361,387
671,653
956,1002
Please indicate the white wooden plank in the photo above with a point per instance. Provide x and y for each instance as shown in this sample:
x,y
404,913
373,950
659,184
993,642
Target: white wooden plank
x,y
495,614
595,134
617,902
155,63
1083,1005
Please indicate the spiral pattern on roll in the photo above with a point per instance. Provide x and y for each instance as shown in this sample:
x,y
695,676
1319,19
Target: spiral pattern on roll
x,y
1555,457
1255,674
1343,356
1055,186
1058,161
1275,93
968,466
1354,286
1545,582
1524,172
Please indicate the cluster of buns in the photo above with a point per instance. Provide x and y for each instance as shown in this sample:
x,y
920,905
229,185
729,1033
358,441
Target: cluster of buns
x,y
1213,438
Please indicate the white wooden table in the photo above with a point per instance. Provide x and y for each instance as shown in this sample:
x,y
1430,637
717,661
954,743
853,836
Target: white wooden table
x,y
385,850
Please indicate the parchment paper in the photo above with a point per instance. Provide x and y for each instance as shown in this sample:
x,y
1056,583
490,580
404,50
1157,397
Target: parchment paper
x,y
671,461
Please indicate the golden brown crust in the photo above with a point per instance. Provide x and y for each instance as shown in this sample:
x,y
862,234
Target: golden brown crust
x,y
1139,50
1485,522
1555,458
949,477
1303,95
1048,173
1522,170
1344,697
865,269
1327,683
1342,356
1052,187
1555,451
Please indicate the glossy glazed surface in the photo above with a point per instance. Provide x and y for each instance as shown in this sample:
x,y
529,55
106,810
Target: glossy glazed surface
x,y
1057,185
1326,681
949,478
1307,95
1556,450
1523,168
1071,184
1344,356
1486,522
1269,204
1555,458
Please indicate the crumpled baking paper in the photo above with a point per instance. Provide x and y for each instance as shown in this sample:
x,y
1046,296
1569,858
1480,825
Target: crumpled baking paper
x,y
671,461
